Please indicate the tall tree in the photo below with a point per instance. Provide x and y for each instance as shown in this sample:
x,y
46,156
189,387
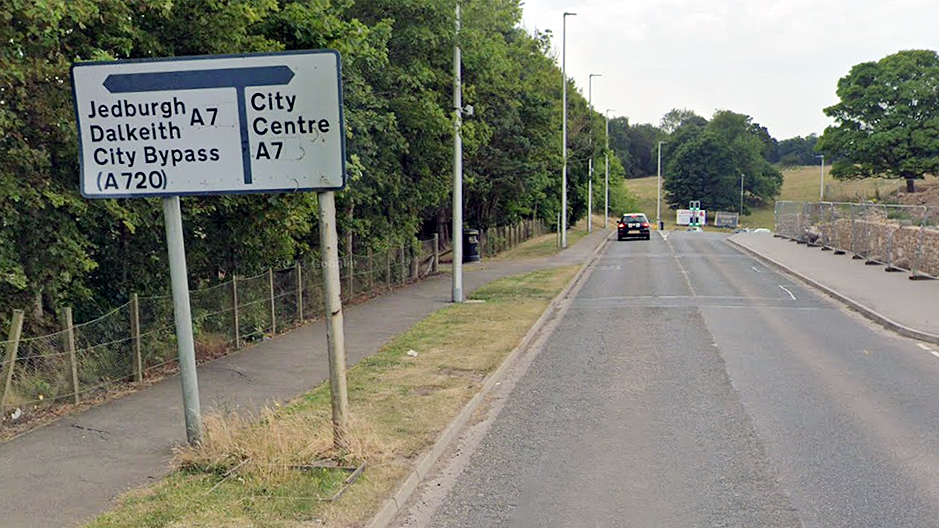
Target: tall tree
x,y
709,163
676,117
797,151
887,122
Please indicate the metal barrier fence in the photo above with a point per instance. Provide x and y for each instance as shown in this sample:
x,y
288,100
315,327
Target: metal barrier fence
x,y
138,340
900,237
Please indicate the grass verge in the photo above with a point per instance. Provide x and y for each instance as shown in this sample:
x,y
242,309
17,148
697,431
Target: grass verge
x,y
259,471
547,245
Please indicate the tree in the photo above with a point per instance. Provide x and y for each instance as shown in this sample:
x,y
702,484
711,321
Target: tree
x,y
707,163
797,151
887,122
676,117
635,146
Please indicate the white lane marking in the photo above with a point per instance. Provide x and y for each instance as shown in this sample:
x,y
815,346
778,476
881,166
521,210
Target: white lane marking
x,y
754,269
783,288
664,235
927,348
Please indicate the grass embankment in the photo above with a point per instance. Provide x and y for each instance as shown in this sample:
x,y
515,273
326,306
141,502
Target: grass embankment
x,y
258,472
799,184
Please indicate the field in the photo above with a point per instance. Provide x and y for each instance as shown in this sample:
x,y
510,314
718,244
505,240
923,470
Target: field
x,y
799,184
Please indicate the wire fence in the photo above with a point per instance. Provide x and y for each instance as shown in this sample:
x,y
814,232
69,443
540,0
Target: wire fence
x,y
900,237
137,341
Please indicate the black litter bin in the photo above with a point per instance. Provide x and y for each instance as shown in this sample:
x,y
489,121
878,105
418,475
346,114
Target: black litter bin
x,y
470,245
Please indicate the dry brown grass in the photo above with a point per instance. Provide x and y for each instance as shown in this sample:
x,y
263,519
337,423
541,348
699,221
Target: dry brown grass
x,y
270,444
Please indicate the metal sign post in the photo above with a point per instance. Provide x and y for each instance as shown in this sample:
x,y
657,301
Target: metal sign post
x,y
209,125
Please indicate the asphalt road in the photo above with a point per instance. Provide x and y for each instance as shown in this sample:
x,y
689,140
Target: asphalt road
x,y
689,385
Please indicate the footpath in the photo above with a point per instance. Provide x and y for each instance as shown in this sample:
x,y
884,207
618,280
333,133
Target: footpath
x,y
63,474
908,307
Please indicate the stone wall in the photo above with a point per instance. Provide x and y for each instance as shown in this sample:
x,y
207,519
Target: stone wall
x,y
883,241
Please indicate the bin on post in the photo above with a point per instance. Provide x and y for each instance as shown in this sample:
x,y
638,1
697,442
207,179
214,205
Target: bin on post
x,y
470,245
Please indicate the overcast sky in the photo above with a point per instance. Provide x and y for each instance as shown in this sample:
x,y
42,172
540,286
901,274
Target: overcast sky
x,y
777,61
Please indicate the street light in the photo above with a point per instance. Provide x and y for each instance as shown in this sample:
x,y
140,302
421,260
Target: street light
x,y
740,215
457,230
821,185
590,161
658,200
564,129
606,186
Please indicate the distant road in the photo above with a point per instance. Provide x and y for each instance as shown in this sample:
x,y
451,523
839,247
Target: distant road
x,y
689,385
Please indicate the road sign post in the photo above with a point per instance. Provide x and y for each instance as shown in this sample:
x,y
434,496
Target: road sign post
x,y
229,124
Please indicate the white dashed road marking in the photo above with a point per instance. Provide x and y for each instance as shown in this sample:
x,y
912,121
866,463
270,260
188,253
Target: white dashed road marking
x,y
927,348
783,288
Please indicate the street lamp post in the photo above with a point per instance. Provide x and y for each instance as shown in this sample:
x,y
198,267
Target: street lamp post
x,y
658,200
457,230
590,161
564,129
606,180
741,199
821,185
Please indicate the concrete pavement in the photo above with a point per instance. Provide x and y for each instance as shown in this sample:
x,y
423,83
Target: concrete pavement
x,y
908,307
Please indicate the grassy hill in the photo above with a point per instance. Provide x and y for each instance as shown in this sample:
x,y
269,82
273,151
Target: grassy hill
x,y
799,184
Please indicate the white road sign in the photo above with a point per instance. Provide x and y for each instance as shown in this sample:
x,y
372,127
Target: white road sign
x,y
210,125
684,216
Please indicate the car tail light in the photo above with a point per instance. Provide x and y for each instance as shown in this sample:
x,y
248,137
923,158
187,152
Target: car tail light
x,y
645,224
622,224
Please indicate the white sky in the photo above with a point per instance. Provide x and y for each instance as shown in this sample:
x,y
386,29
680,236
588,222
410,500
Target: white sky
x,y
777,61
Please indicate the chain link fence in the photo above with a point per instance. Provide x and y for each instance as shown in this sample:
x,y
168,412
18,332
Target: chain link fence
x,y
137,341
900,237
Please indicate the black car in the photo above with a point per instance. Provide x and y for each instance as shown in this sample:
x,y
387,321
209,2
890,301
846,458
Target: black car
x,y
633,225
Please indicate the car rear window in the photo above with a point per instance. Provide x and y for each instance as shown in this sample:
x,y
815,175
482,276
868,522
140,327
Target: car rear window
x,y
634,218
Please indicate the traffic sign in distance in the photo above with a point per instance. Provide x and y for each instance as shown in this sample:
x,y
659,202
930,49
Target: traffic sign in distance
x,y
210,125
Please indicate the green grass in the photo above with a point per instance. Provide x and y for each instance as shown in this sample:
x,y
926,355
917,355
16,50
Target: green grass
x,y
799,184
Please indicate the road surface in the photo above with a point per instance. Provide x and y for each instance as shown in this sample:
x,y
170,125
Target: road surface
x,y
689,385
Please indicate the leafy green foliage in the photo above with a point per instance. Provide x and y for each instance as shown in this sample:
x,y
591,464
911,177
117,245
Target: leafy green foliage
x,y
887,122
797,151
58,249
708,163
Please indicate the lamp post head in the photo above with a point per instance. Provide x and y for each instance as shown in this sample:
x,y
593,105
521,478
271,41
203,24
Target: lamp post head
x,y
566,13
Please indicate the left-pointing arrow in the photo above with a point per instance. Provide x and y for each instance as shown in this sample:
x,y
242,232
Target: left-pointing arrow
x,y
198,79
237,78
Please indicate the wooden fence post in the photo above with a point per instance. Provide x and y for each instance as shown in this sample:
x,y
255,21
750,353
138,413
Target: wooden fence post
x,y
134,335
415,264
351,273
371,270
13,344
70,348
234,303
299,291
404,264
270,281
388,267
436,252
